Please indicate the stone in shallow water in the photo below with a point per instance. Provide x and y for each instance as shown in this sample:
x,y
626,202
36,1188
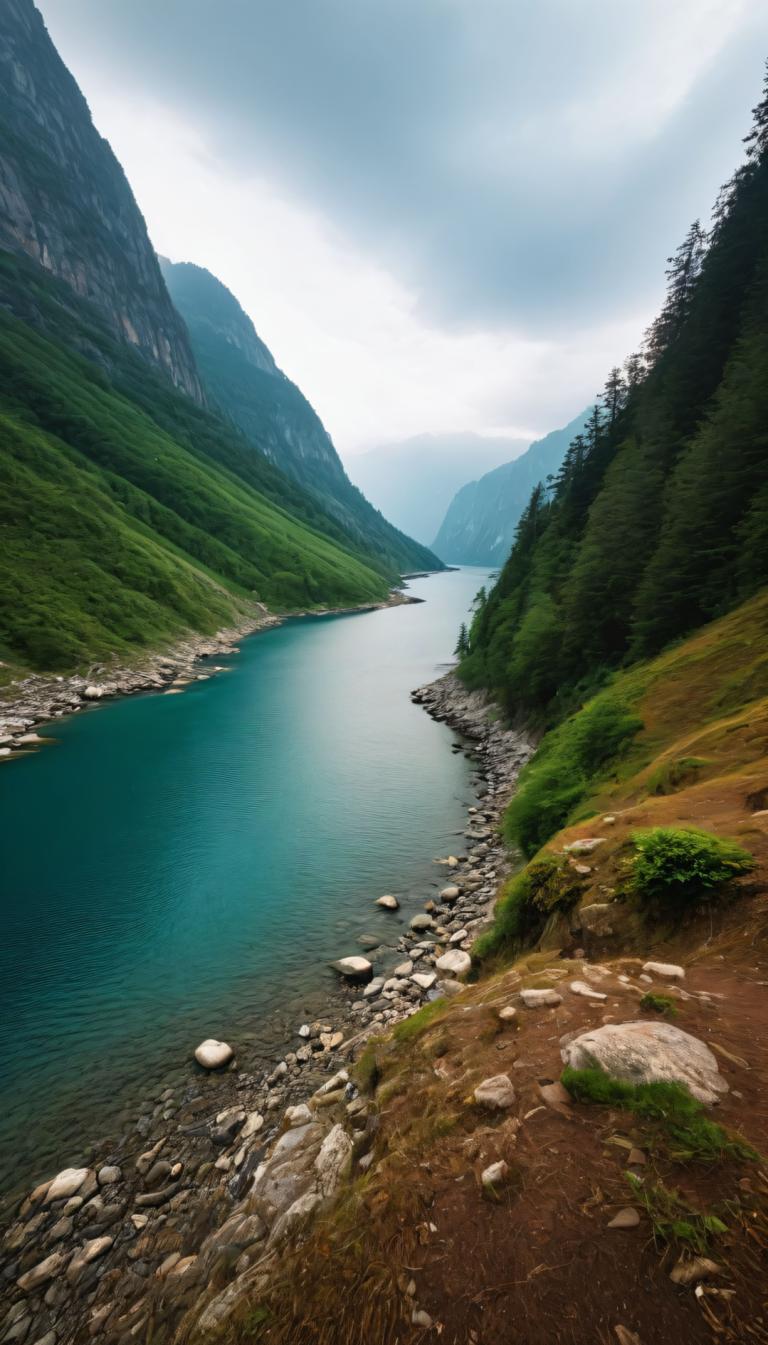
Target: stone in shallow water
x,y
389,902
67,1183
43,1272
212,1054
353,968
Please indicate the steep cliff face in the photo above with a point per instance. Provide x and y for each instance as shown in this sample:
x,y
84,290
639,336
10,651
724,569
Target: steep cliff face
x,y
242,378
479,527
65,201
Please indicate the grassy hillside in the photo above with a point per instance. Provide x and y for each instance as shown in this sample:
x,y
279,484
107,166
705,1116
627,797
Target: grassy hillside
x,y
127,518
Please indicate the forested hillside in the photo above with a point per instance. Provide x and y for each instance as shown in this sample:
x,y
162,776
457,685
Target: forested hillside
x,y
479,525
128,513
658,520
243,381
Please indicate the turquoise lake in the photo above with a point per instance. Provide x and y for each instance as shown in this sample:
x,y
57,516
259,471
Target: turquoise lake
x,y
178,867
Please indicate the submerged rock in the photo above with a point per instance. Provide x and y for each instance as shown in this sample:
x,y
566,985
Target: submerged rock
x,y
643,1052
354,969
212,1054
389,902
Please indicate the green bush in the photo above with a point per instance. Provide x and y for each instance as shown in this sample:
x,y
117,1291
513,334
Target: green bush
x,y
682,1122
681,866
565,767
547,886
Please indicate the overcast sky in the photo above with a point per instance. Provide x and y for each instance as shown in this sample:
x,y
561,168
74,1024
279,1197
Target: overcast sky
x,y
442,215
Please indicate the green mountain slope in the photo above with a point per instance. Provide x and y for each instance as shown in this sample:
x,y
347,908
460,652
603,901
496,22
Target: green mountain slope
x,y
242,379
479,525
128,516
659,517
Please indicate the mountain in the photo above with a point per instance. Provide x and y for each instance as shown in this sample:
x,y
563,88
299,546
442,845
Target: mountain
x,y
242,379
65,201
413,481
659,519
130,511
479,527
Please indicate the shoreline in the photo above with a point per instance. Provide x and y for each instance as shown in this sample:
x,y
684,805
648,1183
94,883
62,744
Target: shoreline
x,y
41,699
191,1158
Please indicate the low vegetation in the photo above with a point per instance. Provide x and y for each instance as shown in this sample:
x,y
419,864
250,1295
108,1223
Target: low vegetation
x,y
546,887
673,1220
681,867
679,1123
565,768
654,1003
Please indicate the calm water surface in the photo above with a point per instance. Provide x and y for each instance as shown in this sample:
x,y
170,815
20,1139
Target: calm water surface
x,y
185,866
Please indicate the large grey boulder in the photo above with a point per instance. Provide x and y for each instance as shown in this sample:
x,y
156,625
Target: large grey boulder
x,y
649,1053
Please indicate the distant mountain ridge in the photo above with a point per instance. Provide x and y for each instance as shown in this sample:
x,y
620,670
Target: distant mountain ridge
x,y
65,201
242,379
413,481
479,526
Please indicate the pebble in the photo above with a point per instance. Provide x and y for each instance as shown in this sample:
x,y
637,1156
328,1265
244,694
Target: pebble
x,y
668,971
494,1176
540,999
626,1218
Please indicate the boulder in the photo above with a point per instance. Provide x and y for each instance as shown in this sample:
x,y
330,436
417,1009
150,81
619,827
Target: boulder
x,y
420,922
668,971
642,1052
389,902
109,1174
495,1093
212,1054
599,919
374,987
449,893
43,1272
455,962
334,1160
66,1184
540,999
424,979
355,969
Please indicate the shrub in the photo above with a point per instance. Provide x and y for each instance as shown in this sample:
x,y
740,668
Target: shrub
x,y
564,768
682,1122
547,886
681,866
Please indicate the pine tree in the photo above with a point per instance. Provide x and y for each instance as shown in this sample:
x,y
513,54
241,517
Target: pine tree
x,y
683,271
462,644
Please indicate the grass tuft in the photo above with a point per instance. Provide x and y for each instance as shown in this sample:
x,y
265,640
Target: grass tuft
x,y
682,1125
672,1220
653,1003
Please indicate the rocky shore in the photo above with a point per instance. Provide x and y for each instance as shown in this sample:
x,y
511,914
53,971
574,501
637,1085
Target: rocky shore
x,y
182,1215
40,699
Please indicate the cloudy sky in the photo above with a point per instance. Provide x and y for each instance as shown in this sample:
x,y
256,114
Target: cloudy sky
x,y
442,215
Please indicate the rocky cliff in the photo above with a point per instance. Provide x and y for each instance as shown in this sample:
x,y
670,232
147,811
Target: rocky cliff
x,y
480,524
241,377
65,201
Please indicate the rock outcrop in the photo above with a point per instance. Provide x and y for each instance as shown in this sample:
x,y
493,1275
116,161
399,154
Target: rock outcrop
x,y
66,204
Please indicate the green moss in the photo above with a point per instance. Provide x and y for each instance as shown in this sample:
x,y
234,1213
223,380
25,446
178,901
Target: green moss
x,y
680,1121
681,867
653,1003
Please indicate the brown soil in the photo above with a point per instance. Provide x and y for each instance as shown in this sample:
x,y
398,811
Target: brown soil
x,y
540,1264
